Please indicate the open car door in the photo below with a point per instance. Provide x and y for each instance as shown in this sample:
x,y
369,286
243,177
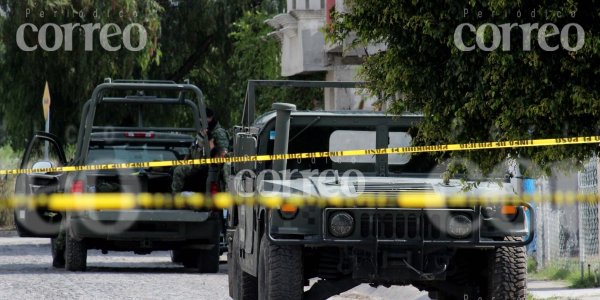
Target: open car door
x,y
43,151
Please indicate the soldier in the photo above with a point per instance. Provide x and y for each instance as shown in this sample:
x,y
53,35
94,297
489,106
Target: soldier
x,y
184,175
219,134
219,139
223,173
192,178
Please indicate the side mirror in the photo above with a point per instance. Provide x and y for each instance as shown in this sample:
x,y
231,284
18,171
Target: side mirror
x,y
42,165
245,144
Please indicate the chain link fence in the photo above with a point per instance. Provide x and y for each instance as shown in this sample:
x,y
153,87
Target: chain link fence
x,y
567,235
555,240
587,181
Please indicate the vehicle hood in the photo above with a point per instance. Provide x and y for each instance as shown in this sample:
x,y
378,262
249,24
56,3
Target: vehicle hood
x,y
389,186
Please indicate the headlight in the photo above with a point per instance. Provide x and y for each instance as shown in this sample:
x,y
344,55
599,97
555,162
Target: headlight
x,y
341,224
489,211
459,226
505,212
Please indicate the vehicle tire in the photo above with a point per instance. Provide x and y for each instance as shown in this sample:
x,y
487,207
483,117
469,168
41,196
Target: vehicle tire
x,y
485,274
507,272
209,260
189,258
247,287
202,261
280,271
176,256
233,269
58,253
242,286
75,254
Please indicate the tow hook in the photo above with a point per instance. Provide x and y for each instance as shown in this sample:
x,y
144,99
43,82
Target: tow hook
x,y
426,276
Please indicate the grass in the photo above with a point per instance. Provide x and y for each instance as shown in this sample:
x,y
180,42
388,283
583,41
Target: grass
x,y
531,265
587,281
8,159
568,270
552,272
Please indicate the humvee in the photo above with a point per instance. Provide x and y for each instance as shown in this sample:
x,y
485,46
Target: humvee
x,y
192,235
470,252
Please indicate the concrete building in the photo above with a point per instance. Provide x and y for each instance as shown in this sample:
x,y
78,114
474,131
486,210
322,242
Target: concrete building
x,y
301,33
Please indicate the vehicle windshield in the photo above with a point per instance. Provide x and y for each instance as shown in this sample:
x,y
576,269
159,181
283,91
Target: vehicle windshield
x,y
341,140
148,115
133,154
328,138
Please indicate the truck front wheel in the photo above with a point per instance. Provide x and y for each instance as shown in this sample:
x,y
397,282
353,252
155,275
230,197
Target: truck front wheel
x,y
58,252
508,272
75,254
176,256
496,274
209,260
280,271
202,261
242,286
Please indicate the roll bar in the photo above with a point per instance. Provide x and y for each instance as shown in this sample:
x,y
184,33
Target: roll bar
x,y
98,96
249,113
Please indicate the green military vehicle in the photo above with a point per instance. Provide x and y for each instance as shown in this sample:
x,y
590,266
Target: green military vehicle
x,y
117,127
470,252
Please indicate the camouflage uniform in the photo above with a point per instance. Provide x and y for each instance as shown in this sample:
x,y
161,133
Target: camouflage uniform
x,y
181,173
224,172
221,137
222,168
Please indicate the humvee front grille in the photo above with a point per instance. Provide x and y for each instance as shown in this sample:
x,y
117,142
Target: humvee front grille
x,y
400,224
390,225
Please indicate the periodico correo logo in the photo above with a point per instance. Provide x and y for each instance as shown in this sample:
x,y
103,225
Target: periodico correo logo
x,y
111,36
530,32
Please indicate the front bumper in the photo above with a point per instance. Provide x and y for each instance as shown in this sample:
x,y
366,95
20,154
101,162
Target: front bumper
x,y
402,227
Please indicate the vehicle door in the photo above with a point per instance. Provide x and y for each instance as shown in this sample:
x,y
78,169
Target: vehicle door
x,y
42,152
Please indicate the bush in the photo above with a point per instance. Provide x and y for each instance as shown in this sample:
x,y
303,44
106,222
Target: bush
x,y
8,159
531,265
568,270
588,281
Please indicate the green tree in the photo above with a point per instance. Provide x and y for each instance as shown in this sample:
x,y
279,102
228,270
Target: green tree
x,y
255,55
72,75
200,40
196,38
479,95
220,45
258,56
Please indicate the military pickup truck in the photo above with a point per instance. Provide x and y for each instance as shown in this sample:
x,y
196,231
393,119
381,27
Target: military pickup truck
x,y
469,252
117,127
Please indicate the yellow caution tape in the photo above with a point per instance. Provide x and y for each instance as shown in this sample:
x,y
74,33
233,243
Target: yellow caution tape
x,y
310,155
124,201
